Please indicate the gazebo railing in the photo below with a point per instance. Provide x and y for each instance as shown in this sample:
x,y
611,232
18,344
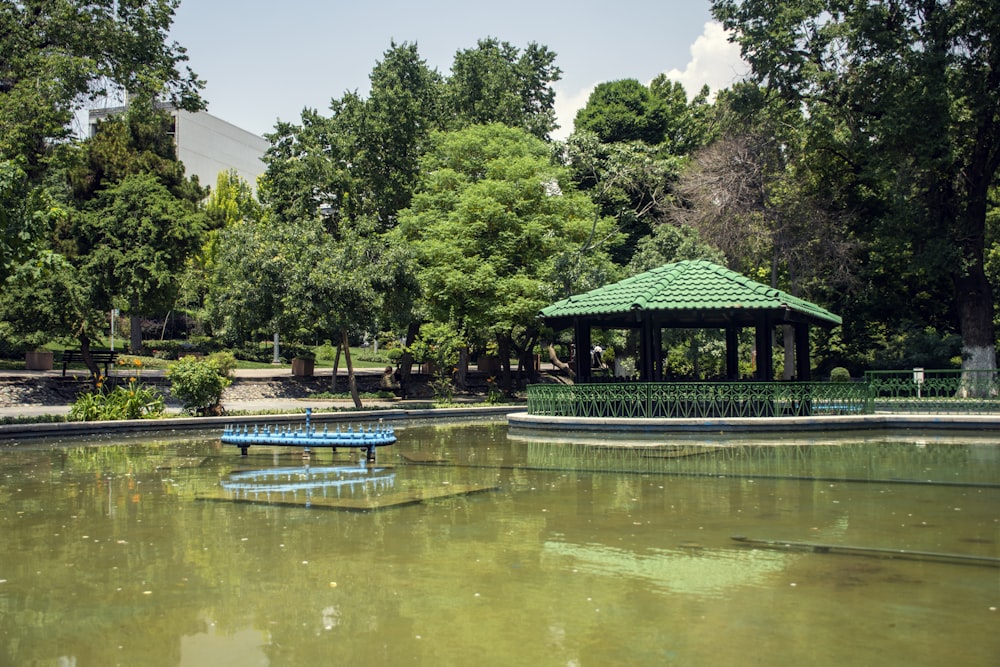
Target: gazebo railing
x,y
937,391
698,400
925,391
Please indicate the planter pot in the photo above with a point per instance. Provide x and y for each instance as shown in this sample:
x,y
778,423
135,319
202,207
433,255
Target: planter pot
x,y
303,367
38,361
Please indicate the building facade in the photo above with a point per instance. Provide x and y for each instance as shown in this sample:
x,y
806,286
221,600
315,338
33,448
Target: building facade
x,y
207,145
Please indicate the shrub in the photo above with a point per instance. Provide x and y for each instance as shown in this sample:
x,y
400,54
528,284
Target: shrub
x,y
198,383
439,345
133,401
840,374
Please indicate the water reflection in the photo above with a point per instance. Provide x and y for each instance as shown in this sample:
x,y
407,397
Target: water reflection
x,y
144,553
321,481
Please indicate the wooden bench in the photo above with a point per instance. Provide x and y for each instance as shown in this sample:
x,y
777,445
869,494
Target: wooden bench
x,y
106,357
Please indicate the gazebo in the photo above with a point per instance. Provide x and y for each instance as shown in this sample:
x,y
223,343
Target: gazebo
x,y
693,294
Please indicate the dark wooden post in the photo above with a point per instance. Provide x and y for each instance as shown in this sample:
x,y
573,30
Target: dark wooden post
x,y
581,338
765,350
732,353
646,353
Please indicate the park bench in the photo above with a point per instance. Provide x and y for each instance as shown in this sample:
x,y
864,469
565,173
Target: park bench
x,y
106,357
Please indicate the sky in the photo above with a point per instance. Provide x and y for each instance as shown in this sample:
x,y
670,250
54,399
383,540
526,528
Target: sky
x,y
265,61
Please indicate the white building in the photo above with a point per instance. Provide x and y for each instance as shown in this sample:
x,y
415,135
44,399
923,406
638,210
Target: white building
x,y
207,145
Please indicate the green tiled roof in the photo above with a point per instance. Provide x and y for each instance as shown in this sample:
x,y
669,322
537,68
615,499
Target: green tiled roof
x,y
688,293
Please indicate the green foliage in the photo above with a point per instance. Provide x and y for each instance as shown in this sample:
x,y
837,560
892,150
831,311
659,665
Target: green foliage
x,y
132,401
199,383
899,103
26,212
363,160
629,181
50,298
60,54
623,110
231,201
498,232
840,374
498,83
670,243
439,345
137,236
494,395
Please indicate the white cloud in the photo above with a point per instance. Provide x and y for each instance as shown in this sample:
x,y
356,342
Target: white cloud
x,y
566,106
715,62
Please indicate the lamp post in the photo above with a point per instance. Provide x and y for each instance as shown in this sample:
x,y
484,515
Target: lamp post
x,y
114,316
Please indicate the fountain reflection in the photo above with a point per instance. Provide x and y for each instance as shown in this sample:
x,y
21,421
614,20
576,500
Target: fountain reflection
x,y
305,485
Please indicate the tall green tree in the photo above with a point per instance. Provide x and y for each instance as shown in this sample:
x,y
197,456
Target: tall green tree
x,y
55,57
403,108
361,160
905,99
623,110
301,280
628,147
496,82
134,240
498,232
631,181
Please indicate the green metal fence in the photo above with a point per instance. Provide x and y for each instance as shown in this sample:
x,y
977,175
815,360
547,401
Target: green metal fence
x,y
968,392
934,391
697,400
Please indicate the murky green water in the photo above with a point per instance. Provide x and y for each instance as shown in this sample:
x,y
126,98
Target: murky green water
x,y
135,553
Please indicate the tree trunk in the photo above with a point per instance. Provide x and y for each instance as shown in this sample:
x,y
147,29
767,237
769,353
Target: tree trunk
x,y
352,382
527,358
503,350
88,360
973,293
135,327
554,358
463,369
975,312
788,342
336,366
406,361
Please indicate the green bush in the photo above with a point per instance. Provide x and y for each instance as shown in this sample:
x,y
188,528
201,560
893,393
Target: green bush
x,y
438,344
253,351
132,401
198,383
840,374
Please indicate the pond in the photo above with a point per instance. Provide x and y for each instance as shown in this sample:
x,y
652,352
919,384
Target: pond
x,y
462,545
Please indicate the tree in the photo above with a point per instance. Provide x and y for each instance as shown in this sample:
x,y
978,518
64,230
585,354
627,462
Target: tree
x,y
362,159
498,233
134,240
628,147
623,110
55,56
252,278
300,279
498,83
905,99
629,180
404,107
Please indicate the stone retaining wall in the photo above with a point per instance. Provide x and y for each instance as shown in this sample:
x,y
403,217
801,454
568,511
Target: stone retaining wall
x,y
56,390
